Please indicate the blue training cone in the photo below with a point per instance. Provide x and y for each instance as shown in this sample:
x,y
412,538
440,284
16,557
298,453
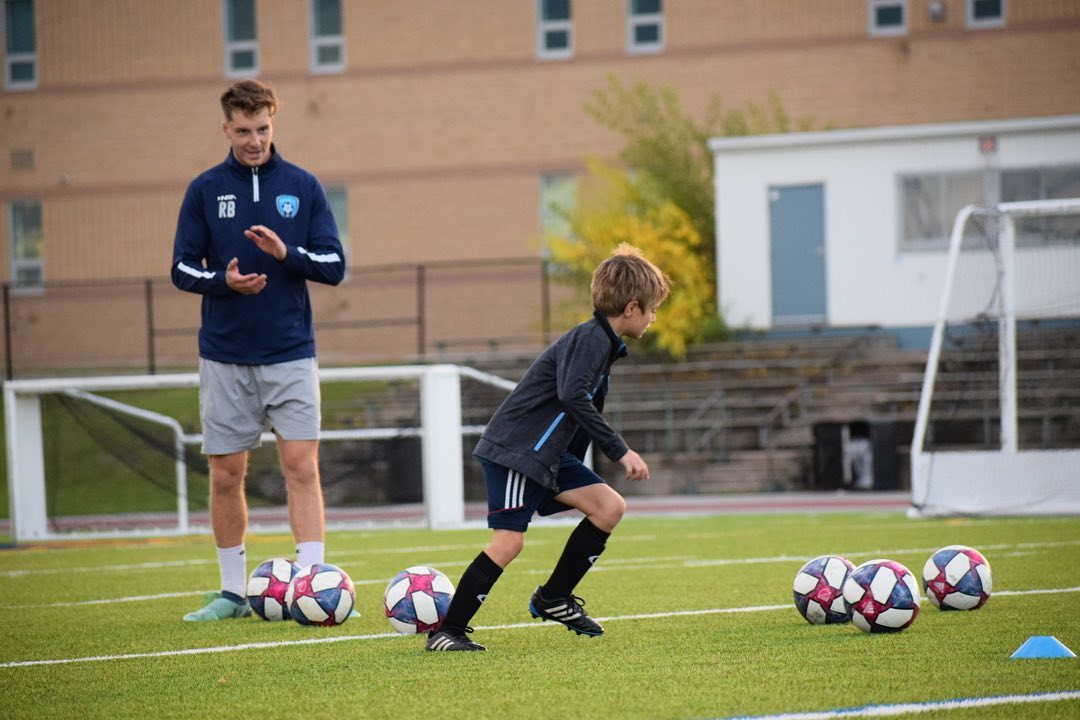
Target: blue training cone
x,y
1042,646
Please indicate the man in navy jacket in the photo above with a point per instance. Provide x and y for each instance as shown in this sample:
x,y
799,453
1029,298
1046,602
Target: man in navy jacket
x,y
252,231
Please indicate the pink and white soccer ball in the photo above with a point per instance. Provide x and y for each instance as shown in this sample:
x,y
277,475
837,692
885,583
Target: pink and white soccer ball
x,y
883,596
417,599
267,585
321,594
819,590
957,577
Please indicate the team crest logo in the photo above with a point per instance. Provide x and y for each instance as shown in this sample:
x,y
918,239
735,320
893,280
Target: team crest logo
x,y
287,205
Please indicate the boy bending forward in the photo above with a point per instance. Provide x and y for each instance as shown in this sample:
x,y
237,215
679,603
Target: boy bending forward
x,y
532,451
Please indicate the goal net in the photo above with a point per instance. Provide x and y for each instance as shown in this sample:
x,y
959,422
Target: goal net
x,y
120,455
998,424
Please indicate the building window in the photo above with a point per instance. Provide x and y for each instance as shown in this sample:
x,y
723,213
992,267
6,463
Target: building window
x,y
645,26
27,245
337,196
558,193
554,29
1043,183
985,14
241,39
887,18
20,45
929,204
327,38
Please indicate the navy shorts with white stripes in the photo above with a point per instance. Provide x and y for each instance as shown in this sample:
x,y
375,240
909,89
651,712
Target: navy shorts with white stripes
x,y
513,498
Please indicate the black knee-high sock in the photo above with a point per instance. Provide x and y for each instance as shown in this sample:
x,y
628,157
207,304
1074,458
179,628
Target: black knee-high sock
x,y
471,592
584,545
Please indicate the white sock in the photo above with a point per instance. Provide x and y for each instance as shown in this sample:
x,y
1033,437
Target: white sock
x,y
309,553
233,566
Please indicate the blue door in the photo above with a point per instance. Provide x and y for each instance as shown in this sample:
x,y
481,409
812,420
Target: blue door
x,y
797,237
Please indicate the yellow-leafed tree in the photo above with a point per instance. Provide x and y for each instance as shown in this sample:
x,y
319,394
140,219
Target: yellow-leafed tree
x,y
612,208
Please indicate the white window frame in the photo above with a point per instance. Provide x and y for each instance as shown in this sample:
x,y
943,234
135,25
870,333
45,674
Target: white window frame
x,y
974,23
543,27
1042,231
341,220
234,46
18,264
318,42
554,186
13,58
636,20
944,210
876,30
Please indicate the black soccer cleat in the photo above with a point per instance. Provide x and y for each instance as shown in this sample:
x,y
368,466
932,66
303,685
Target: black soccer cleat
x,y
570,611
451,641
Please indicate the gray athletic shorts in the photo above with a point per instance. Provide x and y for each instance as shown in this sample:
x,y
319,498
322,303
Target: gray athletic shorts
x,y
237,403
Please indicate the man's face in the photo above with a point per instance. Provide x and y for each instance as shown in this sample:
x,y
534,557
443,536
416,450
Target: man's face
x,y
250,136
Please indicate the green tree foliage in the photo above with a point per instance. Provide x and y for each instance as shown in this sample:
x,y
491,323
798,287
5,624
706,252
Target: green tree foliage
x,y
661,199
612,209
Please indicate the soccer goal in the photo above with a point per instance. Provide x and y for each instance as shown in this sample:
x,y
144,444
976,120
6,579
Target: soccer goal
x,y
998,424
127,439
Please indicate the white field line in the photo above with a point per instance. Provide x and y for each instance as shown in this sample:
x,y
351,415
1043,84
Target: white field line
x,y
381,636
881,553
344,638
473,546
207,561
921,707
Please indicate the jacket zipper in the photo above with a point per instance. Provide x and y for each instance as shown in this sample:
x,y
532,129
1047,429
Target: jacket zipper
x,y
255,184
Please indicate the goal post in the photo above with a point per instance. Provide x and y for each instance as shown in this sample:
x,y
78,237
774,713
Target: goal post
x,y
440,435
1007,479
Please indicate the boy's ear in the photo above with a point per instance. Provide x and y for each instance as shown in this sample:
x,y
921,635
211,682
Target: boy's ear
x,y
630,306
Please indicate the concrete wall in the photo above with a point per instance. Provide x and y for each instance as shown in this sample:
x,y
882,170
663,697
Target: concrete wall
x,y
870,280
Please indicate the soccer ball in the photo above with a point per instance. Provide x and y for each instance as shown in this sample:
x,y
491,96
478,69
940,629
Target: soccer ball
x,y
957,578
417,599
321,594
883,596
267,585
819,590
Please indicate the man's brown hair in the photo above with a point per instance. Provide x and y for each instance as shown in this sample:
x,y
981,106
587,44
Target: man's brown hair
x,y
249,97
627,275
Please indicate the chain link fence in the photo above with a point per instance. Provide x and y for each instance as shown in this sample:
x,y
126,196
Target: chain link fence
x,y
391,313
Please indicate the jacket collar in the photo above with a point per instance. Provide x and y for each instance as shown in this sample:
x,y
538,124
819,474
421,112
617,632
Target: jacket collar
x,y
267,167
618,347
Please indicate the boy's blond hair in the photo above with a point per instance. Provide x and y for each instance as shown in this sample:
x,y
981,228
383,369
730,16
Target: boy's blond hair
x,y
627,275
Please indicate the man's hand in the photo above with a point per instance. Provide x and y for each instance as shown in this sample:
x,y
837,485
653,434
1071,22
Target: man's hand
x,y
250,284
635,467
268,241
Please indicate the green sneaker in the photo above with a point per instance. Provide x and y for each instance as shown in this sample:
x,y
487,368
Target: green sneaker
x,y
216,607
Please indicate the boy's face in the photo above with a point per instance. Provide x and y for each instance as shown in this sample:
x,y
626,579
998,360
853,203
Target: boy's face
x,y
250,136
637,319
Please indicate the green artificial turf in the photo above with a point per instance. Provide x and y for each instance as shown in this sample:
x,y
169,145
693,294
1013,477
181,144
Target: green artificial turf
x,y
698,611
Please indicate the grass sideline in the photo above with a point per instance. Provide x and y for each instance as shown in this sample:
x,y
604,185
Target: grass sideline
x,y
699,617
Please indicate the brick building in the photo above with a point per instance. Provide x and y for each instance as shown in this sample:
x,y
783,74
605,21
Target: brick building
x,y
439,129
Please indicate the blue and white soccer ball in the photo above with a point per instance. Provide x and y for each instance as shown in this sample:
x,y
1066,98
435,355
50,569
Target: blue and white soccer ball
x,y
957,577
267,585
417,599
883,596
321,594
819,590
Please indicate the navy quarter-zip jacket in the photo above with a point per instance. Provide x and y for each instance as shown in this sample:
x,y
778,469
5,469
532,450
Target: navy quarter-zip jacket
x,y
275,325
557,406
